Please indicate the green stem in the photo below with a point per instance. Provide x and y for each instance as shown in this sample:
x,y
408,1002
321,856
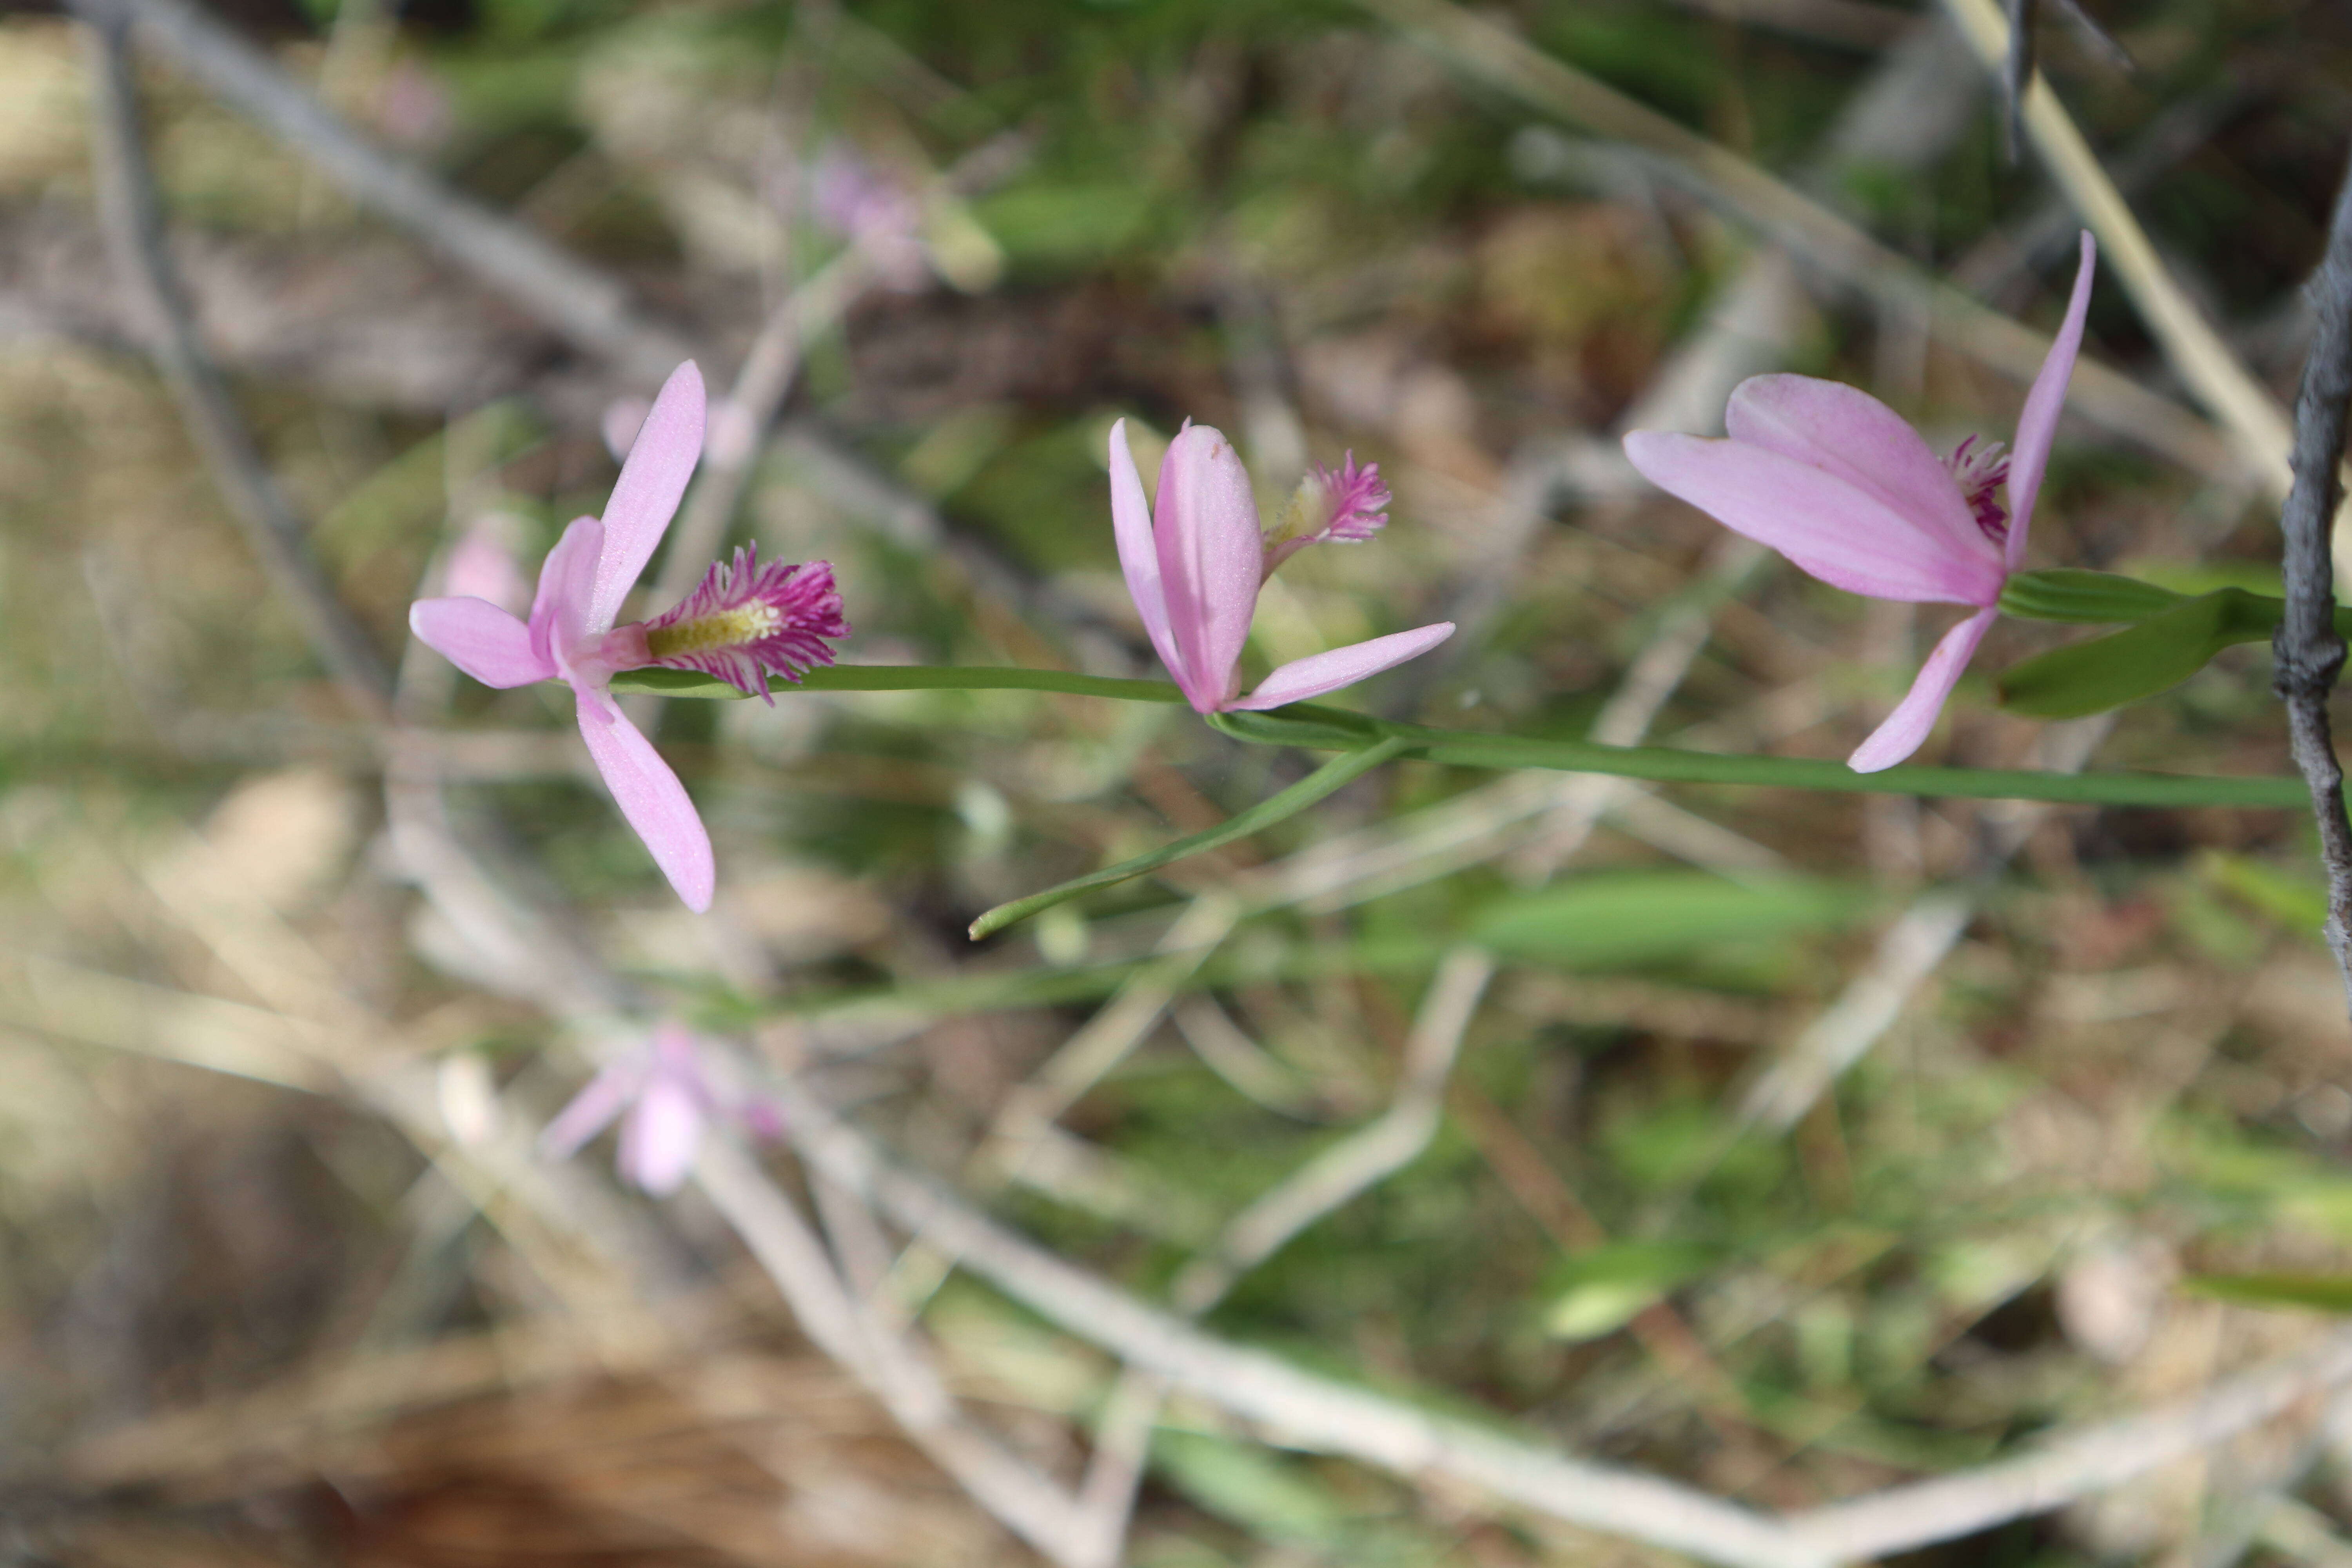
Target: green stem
x,y
1326,729
904,677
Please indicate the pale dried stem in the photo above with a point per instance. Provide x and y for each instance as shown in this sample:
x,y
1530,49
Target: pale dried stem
x,y
550,286
848,1327
2256,424
1341,1174
1834,247
132,217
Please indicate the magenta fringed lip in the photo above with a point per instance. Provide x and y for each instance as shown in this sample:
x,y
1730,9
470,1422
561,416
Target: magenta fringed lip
x,y
747,620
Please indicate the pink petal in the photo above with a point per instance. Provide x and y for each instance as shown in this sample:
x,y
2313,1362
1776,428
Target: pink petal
x,y
646,494
655,803
1130,521
567,582
1916,714
661,1136
479,639
1212,559
592,1108
2037,425
1844,536
1313,676
1845,431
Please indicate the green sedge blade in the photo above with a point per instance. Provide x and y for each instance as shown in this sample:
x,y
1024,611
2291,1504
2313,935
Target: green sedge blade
x,y
2136,663
1341,769
2310,1292
2083,599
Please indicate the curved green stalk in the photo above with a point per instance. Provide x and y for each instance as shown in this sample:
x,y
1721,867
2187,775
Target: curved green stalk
x,y
1323,781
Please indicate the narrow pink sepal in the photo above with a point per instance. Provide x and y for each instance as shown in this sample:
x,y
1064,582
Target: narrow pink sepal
x,y
1916,715
567,586
479,639
661,1136
655,803
646,494
1212,559
592,1108
1139,557
1846,432
2037,423
1844,536
1311,677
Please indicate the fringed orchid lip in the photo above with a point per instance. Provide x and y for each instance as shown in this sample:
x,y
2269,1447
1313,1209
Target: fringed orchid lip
x,y
747,620
1195,559
1850,491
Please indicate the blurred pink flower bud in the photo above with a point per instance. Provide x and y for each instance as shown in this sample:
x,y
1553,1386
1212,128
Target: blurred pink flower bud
x,y
663,1093
482,565
413,109
623,418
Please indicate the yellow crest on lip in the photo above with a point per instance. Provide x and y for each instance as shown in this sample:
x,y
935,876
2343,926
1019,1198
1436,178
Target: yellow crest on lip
x,y
738,627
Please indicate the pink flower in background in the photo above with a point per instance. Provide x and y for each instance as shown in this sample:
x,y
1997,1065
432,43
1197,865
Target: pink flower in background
x,y
872,211
1846,488
482,565
1195,561
741,621
664,1093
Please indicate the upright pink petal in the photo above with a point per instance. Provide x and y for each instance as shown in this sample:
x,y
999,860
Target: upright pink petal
x,y
593,1108
1913,717
2037,425
655,803
1139,558
1849,433
1846,537
567,584
1311,677
661,1135
1212,559
481,639
646,494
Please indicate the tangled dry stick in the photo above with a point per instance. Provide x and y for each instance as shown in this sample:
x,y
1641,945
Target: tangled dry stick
x,y
2309,653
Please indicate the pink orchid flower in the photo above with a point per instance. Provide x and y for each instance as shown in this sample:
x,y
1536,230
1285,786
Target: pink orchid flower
x,y
1846,488
743,622
665,1093
1195,561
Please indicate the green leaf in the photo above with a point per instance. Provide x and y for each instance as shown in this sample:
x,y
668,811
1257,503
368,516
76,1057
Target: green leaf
x,y
1339,770
1601,1290
2083,599
1640,917
1243,1484
2297,902
2313,1293
2158,654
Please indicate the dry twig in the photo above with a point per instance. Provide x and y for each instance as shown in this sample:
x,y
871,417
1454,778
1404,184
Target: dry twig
x,y
134,222
2309,653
